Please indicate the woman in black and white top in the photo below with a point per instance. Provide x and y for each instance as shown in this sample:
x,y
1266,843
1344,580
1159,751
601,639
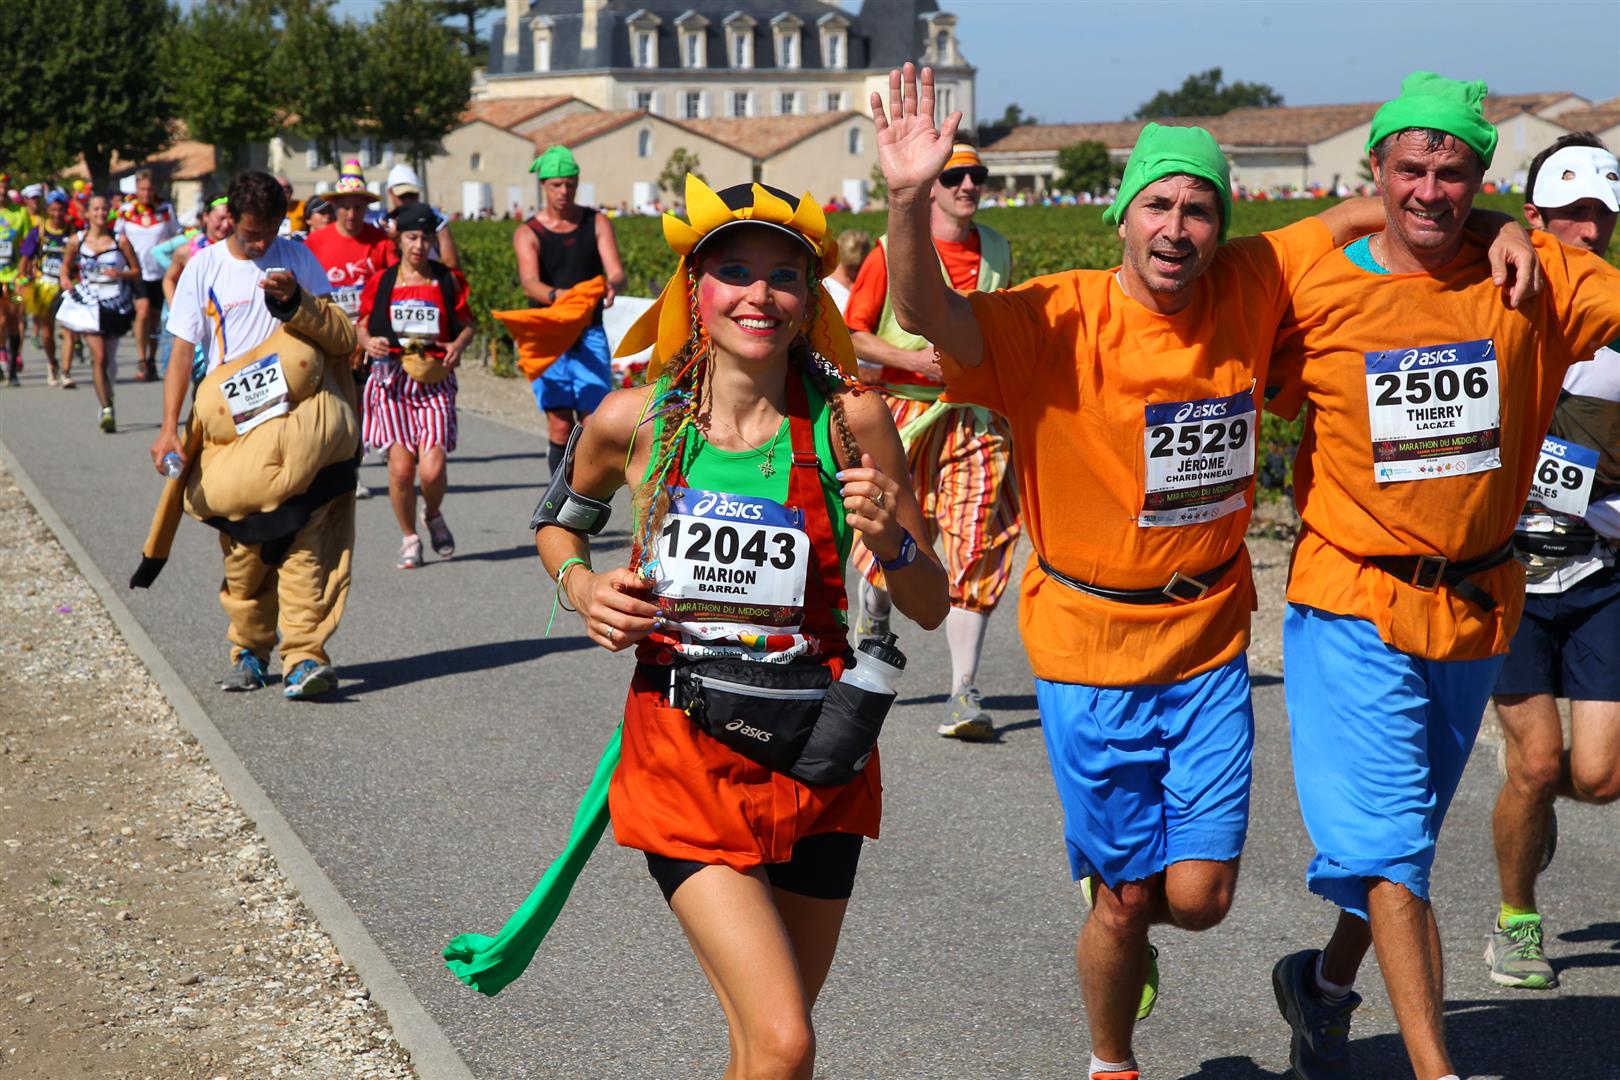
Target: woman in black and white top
x,y
103,266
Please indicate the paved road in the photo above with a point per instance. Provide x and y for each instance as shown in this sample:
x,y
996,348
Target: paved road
x,y
436,786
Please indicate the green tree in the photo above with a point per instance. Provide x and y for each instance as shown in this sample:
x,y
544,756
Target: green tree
x,y
467,10
415,77
673,178
1087,167
313,76
84,77
1206,94
216,61
1013,116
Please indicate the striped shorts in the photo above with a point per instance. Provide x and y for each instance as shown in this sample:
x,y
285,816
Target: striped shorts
x,y
961,470
401,410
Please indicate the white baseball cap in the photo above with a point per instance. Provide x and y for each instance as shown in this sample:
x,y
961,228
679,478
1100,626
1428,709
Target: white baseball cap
x,y
403,178
33,191
1575,173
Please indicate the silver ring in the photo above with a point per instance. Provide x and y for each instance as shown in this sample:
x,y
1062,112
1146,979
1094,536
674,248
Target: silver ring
x,y
877,500
610,632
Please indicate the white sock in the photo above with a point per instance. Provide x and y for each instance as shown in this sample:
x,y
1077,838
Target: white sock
x,y
1451,1076
964,631
1331,992
1098,1065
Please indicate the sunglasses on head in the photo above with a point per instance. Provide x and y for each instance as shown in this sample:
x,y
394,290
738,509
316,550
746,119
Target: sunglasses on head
x,y
953,177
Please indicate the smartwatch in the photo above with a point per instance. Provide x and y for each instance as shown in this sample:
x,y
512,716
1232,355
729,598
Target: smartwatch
x,y
906,556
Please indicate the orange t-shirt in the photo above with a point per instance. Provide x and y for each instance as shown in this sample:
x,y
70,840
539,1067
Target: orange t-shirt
x,y
866,297
1094,385
1458,391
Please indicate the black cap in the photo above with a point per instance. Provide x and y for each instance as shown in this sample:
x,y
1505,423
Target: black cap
x,y
416,216
886,649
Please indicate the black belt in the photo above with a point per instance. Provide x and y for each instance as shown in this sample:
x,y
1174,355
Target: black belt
x,y
1429,572
1180,586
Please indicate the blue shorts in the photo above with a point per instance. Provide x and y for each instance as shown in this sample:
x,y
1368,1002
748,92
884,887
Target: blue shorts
x,y
580,378
1380,739
1151,775
1568,643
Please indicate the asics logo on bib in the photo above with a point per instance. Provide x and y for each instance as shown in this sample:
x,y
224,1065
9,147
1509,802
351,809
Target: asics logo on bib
x,y
1194,410
1425,357
752,732
719,504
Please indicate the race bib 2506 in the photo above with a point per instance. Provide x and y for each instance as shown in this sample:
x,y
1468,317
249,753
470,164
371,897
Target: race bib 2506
x,y
1564,475
725,558
1434,410
1199,459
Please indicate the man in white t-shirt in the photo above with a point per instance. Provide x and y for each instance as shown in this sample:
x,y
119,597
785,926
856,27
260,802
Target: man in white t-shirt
x,y
291,565
146,223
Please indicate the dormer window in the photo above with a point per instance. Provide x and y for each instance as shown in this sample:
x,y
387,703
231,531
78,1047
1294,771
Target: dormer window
x,y
643,26
785,32
541,26
740,39
834,29
692,31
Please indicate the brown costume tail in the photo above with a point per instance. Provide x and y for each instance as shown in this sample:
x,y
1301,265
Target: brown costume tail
x,y
166,520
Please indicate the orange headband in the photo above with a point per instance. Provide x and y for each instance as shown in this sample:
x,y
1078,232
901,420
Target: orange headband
x,y
963,156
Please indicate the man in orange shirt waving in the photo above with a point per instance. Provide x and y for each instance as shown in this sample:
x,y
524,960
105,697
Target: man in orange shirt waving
x,y
1131,394
1429,399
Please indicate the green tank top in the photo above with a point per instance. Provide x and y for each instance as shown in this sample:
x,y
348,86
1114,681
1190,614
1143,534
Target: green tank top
x,y
737,471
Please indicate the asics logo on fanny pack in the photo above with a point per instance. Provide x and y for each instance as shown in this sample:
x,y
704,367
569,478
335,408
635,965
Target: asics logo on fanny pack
x,y
719,504
741,728
1425,357
1194,410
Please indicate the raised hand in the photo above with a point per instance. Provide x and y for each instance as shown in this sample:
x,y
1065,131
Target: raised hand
x,y
911,151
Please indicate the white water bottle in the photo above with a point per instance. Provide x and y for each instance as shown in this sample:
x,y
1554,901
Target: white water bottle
x,y
878,665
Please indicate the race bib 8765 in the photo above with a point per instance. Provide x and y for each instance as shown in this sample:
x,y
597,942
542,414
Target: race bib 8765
x,y
417,318
1200,459
1434,410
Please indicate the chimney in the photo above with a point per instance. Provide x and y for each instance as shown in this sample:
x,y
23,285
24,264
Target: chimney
x,y
587,30
515,10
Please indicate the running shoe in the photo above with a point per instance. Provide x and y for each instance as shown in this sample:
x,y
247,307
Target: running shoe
x,y
11,375
869,623
247,673
67,381
361,491
144,371
1515,955
1549,842
444,545
52,377
1150,989
1320,1049
410,553
109,422
965,717
308,679
1128,1074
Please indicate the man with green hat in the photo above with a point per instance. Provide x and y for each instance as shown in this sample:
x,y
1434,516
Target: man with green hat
x,y
1132,395
1426,392
561,246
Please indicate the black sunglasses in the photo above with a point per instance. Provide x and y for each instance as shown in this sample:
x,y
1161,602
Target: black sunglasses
x,y
953,177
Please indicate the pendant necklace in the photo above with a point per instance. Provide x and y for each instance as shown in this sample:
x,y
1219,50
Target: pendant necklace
x,y
767,464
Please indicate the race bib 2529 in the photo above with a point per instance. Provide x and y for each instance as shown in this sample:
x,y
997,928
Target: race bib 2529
x,y
1199,459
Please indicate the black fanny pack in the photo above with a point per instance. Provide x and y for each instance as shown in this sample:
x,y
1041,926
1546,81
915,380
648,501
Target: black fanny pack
x,y
1569,543
791,718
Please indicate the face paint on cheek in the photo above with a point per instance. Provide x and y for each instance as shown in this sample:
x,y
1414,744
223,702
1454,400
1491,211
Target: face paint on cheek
x,y
708,303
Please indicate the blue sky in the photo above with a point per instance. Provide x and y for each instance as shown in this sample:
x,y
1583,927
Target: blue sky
x,y
1075,60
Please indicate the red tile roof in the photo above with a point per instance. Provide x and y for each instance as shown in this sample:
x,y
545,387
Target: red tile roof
x,y
506,113
581,127
762,137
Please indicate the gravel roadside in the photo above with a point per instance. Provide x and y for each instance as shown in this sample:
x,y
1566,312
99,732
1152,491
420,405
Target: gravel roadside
x,y
145,929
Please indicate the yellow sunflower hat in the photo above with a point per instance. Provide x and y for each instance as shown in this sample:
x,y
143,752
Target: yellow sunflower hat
x,y
667,325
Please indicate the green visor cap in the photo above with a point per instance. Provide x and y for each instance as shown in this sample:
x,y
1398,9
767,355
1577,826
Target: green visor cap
x,y
555,162
1433,101
1163,151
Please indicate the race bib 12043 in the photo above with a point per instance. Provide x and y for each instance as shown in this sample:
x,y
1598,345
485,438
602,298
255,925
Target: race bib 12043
x,y
731,559
1564,475
417,318
1200,459
256,393
1434,410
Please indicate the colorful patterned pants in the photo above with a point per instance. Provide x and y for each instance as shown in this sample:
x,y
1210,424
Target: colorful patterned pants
x,y
961,470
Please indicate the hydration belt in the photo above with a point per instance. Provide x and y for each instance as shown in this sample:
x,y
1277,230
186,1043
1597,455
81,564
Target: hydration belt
x,y
1429,572
1182,587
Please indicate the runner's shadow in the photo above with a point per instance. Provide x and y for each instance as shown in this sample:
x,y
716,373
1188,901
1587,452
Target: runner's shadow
x,y
404,670
537,455
1596,934
522,551
1258,679
455,488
